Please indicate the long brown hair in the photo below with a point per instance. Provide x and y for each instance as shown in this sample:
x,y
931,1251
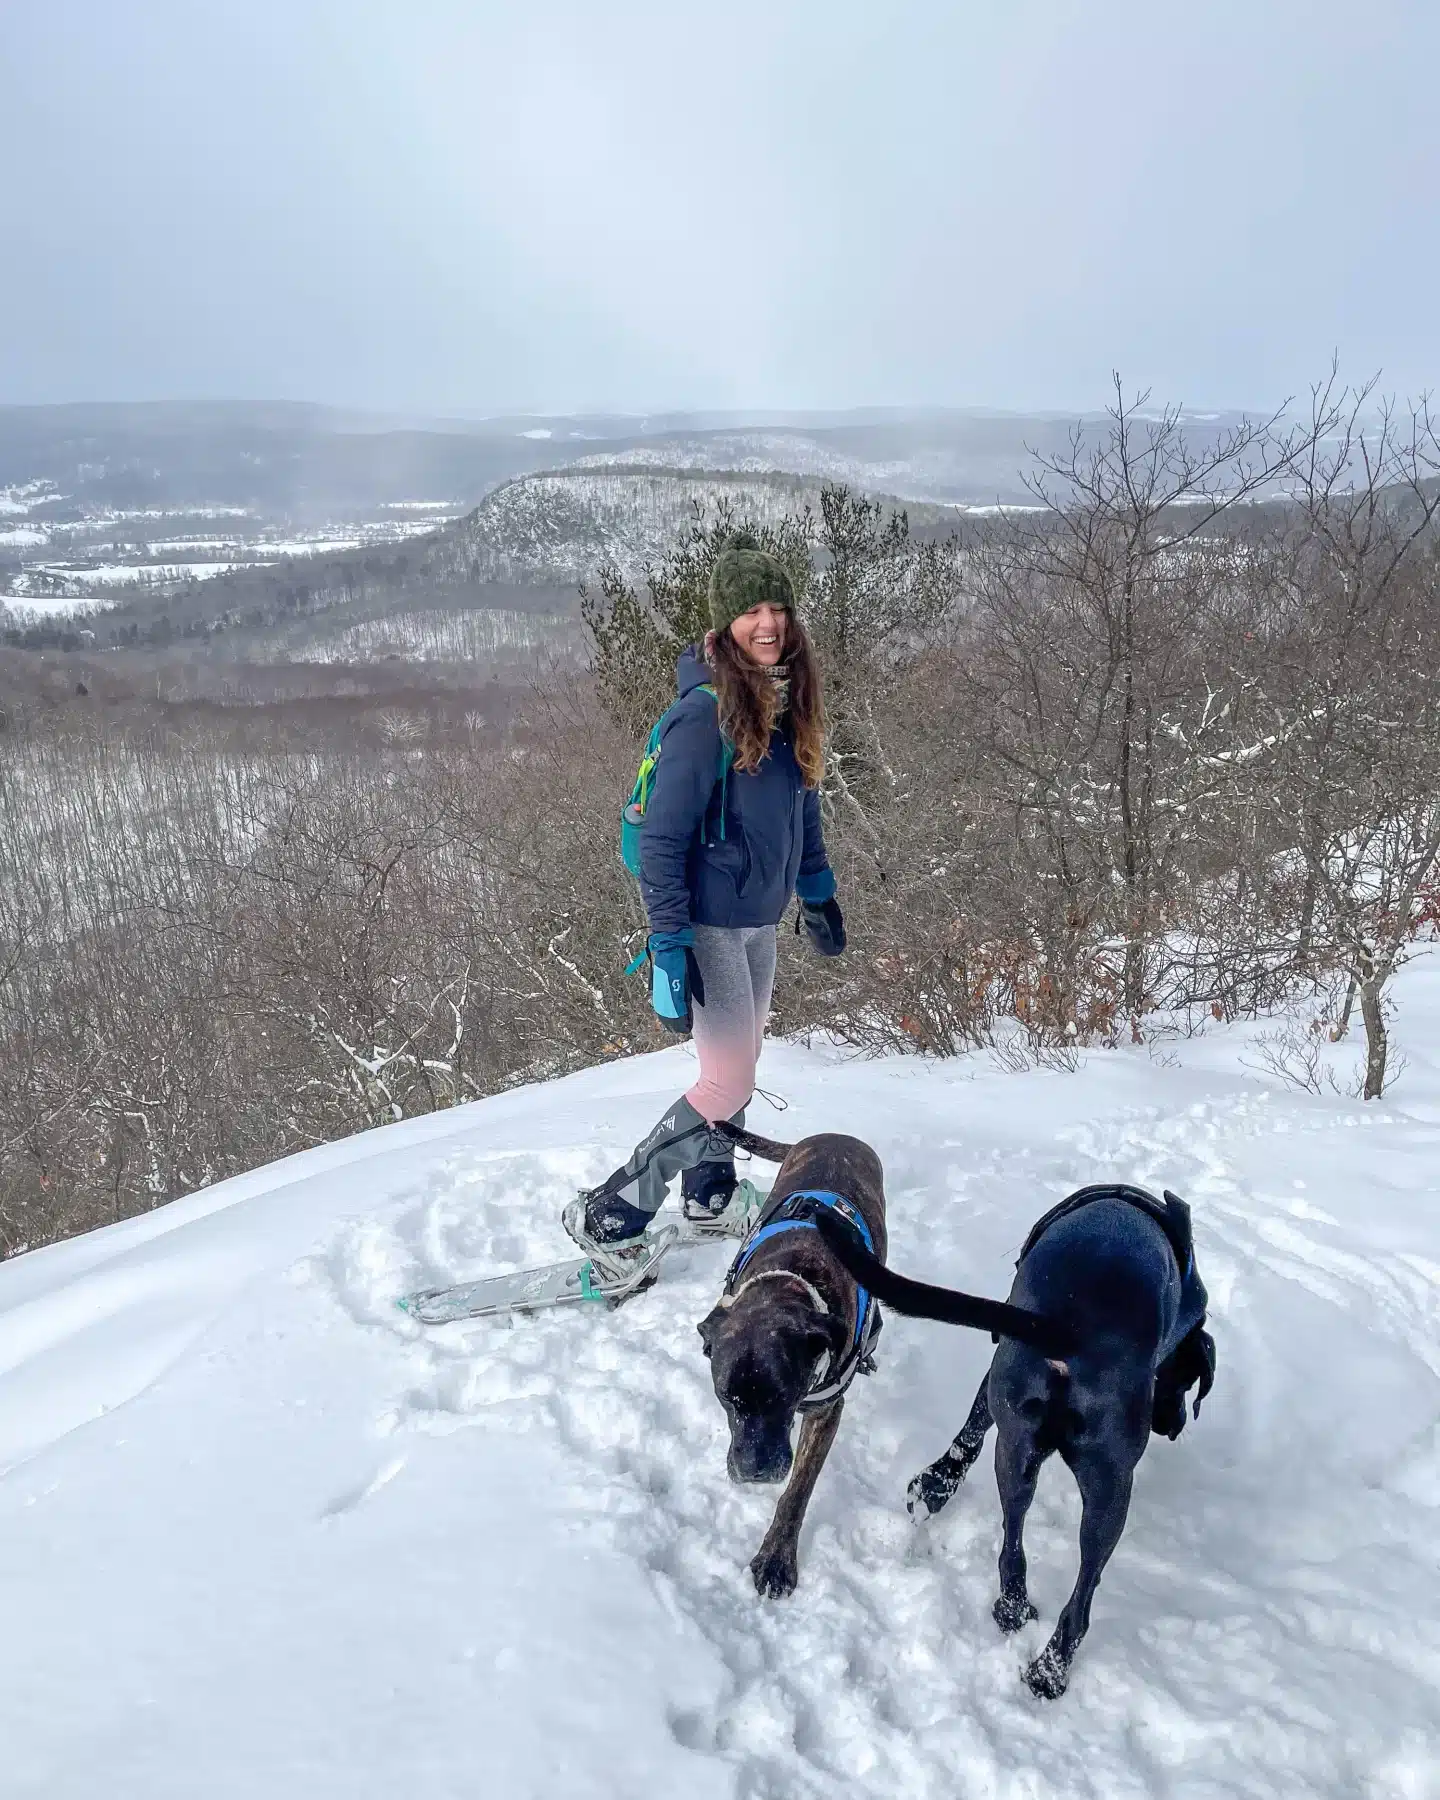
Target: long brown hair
x,y
751,701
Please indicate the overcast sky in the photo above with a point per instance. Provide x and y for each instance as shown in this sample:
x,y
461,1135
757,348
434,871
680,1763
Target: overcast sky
x,y
456,205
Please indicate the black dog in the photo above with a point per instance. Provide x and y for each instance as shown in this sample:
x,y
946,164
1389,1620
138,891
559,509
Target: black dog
x,y
792,1328
1111,1272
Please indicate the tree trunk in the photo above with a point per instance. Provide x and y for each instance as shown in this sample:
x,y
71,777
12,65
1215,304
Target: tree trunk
x,y
1309,899
1343,1028
1132,979
1305,936
1372,1011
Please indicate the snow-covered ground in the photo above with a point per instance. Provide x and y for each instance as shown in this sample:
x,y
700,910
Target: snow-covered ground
x,y
24,608
263,1535
65,565
24,495
129,574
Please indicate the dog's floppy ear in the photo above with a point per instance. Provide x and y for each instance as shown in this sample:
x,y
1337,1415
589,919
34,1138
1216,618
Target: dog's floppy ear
x,y
708,1326
827,1333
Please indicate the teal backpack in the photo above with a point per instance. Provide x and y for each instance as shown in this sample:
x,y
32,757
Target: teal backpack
x,y
632,816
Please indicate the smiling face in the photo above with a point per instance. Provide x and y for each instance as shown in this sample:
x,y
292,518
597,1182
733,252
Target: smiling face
x,y
762,633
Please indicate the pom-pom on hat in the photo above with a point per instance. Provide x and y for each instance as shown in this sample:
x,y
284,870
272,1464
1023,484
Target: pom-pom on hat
x,y
744,576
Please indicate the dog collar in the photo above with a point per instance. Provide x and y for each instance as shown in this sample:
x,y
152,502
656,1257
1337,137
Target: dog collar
x,y
817,1299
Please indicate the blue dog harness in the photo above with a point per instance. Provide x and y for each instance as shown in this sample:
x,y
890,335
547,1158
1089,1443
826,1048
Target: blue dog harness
x,y
796,1212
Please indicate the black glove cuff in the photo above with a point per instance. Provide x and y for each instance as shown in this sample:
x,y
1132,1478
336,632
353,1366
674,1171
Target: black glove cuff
x,y
826,925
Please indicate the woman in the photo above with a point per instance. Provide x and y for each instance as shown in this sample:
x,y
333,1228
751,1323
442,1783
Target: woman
x,y
721,855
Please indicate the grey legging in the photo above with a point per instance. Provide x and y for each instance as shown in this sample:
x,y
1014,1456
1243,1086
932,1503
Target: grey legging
x,y
737,970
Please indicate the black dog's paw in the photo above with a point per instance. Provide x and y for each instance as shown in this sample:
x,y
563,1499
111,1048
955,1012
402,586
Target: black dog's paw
x,y
1047,1677
1012,1613
776,1574
931,1489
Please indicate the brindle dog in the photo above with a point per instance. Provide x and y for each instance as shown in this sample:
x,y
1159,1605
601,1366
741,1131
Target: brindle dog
x,y
788,1325
768,1340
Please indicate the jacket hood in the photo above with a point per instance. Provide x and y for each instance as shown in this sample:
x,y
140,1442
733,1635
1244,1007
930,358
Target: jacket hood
x,y
691,671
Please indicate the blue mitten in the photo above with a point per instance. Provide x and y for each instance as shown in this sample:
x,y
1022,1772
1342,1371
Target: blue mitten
x,y
674,979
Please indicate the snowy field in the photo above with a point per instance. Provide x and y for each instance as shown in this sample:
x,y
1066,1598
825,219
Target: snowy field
x,y
264,1535
65,565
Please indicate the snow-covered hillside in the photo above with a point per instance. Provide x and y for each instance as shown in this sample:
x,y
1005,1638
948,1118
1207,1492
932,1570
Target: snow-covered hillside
x,y
755,453
921,474
426,634
264,1535
561,525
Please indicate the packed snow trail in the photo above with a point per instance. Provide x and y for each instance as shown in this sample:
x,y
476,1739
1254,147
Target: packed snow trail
x,y
262,1533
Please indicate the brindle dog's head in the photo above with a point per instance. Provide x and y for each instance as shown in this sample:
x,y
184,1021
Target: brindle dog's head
x,y
764,1351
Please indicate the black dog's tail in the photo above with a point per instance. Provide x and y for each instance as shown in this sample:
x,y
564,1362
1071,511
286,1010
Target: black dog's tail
x,y
946,1305
767,1149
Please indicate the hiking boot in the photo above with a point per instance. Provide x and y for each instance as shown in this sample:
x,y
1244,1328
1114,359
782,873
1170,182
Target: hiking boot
x,y
608,1229
722,1213
705,1189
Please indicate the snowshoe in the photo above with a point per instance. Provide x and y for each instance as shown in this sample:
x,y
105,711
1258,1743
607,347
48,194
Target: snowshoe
x,y
626,1270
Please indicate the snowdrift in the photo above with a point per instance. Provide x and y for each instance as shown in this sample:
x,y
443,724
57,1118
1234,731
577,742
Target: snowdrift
x,y
263,1535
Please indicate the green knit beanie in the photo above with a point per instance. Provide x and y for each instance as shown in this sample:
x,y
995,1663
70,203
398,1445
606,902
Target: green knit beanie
x,y
744,576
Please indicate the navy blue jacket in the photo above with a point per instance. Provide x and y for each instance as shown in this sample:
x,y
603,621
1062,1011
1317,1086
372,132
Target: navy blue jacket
x,y
689,874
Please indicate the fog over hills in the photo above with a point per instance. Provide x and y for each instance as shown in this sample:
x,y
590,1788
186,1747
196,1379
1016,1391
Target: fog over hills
x,y
211,534
106,504
301,456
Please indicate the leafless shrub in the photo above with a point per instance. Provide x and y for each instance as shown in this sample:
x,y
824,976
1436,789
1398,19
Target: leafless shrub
x,y
208,961
1351,684
1295,1051
1149,751
1019,1051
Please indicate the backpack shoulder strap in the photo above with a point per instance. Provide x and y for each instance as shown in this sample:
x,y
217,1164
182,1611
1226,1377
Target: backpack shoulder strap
x,y
727,749
727,755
